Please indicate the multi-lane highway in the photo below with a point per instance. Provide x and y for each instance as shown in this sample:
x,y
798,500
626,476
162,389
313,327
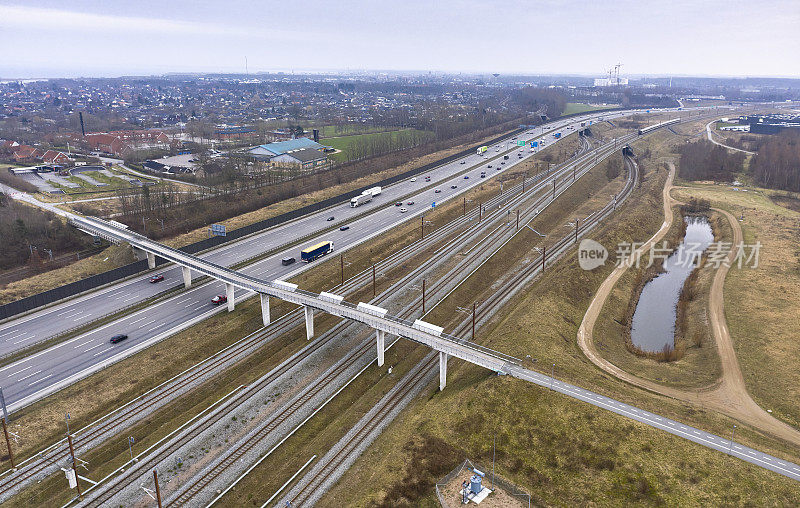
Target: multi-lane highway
x,y
36,376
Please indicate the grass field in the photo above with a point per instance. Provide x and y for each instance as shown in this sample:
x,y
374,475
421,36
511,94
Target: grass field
x,y
580,107
762,304
564,452
699,367
344,142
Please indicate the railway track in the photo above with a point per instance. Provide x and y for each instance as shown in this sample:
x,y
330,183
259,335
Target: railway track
x,y
492,216
311,486
208,476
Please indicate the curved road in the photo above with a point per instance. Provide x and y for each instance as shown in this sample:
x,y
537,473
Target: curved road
x,y
729,395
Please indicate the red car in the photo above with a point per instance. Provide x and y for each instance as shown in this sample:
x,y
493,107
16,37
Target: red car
x,y
156,278
219,299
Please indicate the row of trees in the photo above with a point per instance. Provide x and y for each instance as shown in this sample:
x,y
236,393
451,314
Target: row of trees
x,y
704,160
370,145
165,211
777,164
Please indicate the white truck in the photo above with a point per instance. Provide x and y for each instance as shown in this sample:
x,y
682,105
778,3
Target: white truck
x,y
360,199
374,192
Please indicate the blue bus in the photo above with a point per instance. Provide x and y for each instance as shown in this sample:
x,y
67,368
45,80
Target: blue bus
x,y
315,251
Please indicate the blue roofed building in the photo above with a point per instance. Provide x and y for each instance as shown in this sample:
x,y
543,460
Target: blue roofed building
x,y
270,150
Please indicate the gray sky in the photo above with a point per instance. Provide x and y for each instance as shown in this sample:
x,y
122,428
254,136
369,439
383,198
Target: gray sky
x,y
111,38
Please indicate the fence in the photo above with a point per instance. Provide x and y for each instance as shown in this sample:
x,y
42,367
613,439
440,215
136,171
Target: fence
x,y
496,480
74,288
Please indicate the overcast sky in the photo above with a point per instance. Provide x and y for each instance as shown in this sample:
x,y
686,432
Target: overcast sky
x,y
113,37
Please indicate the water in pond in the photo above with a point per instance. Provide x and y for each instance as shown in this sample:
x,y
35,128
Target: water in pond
x,y
653,324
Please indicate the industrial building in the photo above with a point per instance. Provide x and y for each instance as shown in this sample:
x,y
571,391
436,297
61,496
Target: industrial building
x,y
770,124
307,158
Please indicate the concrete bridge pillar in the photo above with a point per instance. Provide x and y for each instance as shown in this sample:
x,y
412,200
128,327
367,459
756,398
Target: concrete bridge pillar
x,y
151,260
187,277
309,322
380,336
442,370
229,288
265,309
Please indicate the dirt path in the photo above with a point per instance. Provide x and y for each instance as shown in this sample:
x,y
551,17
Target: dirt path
x,y
729,395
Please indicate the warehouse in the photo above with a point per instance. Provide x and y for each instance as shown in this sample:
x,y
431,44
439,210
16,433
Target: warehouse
x,y
307,158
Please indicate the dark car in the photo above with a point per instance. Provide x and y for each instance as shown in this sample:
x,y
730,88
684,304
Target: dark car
x,y
437,191
399,203
489,166
483,175
410,203
503,162
287,261
219,299
344,228
118,338
463,162
466,177
454,186
331,218
156,278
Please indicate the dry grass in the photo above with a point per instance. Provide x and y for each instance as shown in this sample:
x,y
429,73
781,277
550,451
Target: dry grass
x,y
108,259
762,304
693,363
564,451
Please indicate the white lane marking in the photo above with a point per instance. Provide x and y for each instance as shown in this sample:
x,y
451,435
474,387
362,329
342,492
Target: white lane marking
x,y
93,347
145,324
200,307
21,370
140,319
29,375
17,335
82,344
157,326
10,331
103,351
23,340
40,380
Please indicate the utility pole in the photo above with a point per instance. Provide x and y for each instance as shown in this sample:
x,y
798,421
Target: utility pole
x,y
464,212
8,443
576,230
423,297
130,447
74,466
5,428
480,212
158,491
374,290
341,264
473,327
517,219
554,188
422,234
544,255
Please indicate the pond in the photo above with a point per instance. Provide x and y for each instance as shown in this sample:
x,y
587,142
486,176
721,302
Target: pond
x,y
653,325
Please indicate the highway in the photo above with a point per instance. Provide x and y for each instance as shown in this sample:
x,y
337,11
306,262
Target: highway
x,y
42,373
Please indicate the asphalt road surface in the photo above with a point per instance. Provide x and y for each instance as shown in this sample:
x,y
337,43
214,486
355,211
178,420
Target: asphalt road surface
x,y
42,373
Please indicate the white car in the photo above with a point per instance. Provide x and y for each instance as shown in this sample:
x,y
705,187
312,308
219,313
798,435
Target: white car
x,y
403,210
414,179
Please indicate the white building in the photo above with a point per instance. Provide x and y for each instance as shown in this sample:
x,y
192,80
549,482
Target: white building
x,y
610,81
